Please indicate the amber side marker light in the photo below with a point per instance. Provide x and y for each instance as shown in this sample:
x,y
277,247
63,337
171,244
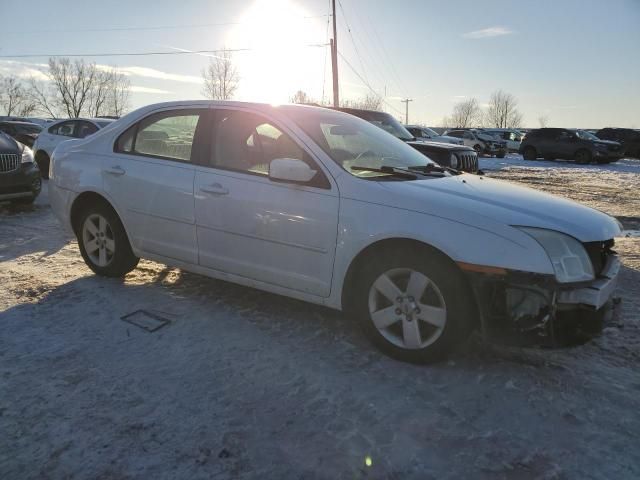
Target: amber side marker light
x,y
472,267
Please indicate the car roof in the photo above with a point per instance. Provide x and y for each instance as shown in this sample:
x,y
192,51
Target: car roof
x,y
20,122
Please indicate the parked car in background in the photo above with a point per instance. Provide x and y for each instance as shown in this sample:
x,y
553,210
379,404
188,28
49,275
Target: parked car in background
x,y
19,175
324,207
426,134
627,137
569,144
482,143
24,132
511,136
389,124
60,131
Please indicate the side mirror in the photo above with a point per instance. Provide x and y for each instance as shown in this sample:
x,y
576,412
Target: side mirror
x,y
290,170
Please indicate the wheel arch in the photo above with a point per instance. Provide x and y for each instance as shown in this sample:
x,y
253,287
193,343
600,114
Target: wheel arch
x,y
87,199
381,247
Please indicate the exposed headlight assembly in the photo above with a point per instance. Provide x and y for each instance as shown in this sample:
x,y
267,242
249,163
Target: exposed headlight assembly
x,y
453,161
27,155
568,257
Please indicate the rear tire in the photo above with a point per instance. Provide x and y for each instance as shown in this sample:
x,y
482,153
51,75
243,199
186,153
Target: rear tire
x,y
43,161
583,157
409,305
530,153
501,155
103,242
24,201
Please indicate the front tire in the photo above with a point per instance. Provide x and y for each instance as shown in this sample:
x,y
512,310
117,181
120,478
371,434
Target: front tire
x,y
103,242
43,161
583,157
410,306
530,153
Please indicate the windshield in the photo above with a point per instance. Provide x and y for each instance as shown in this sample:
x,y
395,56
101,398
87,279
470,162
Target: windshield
x,y
29,128
392,126
353,142
584,135
103,123
430,132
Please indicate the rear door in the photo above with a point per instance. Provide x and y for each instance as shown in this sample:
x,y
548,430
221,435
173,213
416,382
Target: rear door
x,y
275,232
150,178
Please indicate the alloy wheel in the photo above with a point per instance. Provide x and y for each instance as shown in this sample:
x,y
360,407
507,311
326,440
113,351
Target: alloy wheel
x,y
98,240
407,308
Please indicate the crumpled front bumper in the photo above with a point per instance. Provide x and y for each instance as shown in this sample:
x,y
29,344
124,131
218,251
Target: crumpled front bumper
x,y
533,308
597,293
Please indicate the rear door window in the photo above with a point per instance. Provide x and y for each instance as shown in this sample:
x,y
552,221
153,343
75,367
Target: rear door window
x,y
165,135
66,129
84,129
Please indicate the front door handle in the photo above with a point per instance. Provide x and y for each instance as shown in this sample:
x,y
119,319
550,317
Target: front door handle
x,y
214,189
115,171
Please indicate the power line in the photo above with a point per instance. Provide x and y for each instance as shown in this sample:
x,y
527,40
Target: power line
x,y
138,54
324,68
139,28
366,83
353,42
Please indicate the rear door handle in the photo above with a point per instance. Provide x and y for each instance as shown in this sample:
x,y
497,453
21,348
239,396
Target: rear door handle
x,y
214,189
115,171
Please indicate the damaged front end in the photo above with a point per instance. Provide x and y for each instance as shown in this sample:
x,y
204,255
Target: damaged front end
x,y
526,308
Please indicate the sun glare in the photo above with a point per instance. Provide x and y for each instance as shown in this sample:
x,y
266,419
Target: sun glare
x,y
280,61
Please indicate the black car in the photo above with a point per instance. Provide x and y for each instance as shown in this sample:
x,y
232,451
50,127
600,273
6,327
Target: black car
x,y
24,132
628,137
19,175
454,156
569,144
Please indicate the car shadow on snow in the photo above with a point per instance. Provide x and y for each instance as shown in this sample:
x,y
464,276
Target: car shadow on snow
x,y
310,329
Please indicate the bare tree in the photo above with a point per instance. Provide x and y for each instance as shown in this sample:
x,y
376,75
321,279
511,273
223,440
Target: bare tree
x,y
109,94
15,98
301,97
220,77
79,88
119,94
543,120
44,97
99,93
502,111
368,102
73,83
466,114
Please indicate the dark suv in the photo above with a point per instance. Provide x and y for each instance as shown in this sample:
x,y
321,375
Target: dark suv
x,y
569,144
448,155
19,175
629,138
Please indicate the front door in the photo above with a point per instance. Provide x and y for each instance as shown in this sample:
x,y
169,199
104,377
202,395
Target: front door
x,y
248,225
150,177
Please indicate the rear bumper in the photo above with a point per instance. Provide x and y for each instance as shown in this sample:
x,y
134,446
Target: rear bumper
x,y
529,308
25,182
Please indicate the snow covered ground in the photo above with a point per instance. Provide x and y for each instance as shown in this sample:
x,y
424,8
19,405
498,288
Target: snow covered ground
x,y
245,384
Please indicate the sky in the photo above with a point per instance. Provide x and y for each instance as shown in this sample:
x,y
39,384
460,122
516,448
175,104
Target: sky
x,y
575,62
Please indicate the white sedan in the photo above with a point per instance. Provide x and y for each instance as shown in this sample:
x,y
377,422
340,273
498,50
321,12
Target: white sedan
x,y
322,206
55,133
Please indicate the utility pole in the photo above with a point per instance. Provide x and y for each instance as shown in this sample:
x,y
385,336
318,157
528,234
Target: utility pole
x,y
406,109
334,58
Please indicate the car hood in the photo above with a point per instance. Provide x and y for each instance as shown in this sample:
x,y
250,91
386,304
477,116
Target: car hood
x,y
485,203
8,144
448,138
439,145
606,142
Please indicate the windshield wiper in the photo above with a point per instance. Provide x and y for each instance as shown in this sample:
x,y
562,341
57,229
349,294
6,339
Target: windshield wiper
x,y
402,172
398,172
431,167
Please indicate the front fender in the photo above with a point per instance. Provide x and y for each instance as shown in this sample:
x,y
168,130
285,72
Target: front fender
x,y
360,226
